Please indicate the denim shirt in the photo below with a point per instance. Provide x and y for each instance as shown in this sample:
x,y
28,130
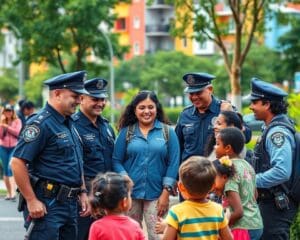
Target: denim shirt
x,y
149,162
51,147
98,144
193,128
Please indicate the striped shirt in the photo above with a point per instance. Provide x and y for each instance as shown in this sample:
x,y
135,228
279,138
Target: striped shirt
x,y
195,220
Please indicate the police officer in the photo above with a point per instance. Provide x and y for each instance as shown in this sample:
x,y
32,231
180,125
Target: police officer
x,y
97,138
195,123
48,155
273,159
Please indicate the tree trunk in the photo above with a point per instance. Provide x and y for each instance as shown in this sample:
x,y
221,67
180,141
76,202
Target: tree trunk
x,y
236,98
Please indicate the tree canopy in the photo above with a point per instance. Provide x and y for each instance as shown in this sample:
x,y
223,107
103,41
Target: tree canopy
x,y
52,31
247,19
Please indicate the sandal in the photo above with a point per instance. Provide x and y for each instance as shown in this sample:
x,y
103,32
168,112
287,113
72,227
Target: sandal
x,y
7,198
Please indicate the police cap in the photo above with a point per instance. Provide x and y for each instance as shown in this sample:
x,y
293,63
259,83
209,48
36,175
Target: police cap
x,y
264,90
196,82
72,81
96,87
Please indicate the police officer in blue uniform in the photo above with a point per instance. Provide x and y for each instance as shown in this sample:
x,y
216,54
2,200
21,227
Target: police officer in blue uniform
x,y
97,138
47,163
196,122
273,159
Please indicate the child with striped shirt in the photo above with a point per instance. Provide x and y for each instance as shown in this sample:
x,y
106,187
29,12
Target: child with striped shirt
x,y
196,217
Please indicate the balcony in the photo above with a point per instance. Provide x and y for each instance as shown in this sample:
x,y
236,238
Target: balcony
x,y
158,30
160,4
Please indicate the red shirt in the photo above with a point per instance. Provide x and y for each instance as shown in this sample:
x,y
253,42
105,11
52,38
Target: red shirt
x,y
116,227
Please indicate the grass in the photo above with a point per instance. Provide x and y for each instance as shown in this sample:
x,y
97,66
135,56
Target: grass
x,y
2,192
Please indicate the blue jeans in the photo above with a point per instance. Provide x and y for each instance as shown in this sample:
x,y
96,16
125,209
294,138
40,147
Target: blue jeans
x,y
5,155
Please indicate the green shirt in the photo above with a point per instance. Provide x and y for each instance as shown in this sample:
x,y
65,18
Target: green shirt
x,y
243,182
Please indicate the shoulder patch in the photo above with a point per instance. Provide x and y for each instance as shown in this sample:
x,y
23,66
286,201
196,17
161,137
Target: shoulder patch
x,y
30,133
278,139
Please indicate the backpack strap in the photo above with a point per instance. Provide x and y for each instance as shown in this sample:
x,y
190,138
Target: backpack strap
x,y
129,133
166,132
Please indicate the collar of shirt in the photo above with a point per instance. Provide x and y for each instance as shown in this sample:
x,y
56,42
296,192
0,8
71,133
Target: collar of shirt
x,y
214,106
60,118
85,121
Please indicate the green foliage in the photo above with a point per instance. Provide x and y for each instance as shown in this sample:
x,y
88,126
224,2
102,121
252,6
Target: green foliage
x,y
8,85
294,109
295,229
173,113
161,72
291,49
62,33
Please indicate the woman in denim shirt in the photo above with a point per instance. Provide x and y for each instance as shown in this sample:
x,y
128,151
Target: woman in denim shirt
x,y
148,157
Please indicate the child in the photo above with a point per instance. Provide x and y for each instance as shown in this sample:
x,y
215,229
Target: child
x,y
196,217
240,189
111,194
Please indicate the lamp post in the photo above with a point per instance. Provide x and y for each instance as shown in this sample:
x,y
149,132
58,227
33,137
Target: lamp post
x,y
21,64
112,78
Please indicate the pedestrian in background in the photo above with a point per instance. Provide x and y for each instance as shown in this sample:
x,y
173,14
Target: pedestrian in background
x,y
97,139
47,163
111,194
10,127
26,110
147,150
274,153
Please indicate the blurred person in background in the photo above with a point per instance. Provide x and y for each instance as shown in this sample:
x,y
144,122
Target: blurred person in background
x,y
26,110
10,127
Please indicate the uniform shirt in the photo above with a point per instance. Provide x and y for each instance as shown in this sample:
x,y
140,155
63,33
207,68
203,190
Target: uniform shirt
x,y
280,145
243,183
149,162
193,128
98,144
51,147
194,220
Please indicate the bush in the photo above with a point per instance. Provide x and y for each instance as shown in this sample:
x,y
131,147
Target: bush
x,y
173,113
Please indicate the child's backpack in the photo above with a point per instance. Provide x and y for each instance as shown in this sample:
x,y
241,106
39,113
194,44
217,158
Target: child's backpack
x,y
294,189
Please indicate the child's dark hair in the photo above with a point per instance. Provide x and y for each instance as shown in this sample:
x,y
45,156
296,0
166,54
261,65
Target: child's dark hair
x,y
234,137
197,174
107,191
224,166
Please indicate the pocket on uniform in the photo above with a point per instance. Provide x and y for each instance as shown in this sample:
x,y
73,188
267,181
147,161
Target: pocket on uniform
x,y
65,147
189,135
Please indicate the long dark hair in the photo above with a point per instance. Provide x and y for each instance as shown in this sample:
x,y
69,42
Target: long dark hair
x,y
128,116
231,119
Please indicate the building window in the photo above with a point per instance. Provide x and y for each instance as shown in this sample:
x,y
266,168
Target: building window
x,y
121,24
203,45
231,25
184,42
136,22
136,49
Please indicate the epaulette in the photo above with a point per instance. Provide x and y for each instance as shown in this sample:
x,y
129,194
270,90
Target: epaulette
x,y
75,117
39,117
188,107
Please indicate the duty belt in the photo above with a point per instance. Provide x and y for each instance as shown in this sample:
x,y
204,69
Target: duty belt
x,y
264,194
60,191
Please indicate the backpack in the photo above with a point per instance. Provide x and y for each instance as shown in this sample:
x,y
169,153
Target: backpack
x,y
131,128
294,190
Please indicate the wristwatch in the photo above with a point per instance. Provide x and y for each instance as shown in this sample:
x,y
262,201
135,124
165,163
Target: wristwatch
x,y
168,188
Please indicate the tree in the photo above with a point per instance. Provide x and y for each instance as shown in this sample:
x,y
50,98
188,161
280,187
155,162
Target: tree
x,y
8,85
290,44
202,15
54,30
161,72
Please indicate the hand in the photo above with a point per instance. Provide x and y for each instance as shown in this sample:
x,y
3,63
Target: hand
x,y
162,203
160,226
85,206
36,208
